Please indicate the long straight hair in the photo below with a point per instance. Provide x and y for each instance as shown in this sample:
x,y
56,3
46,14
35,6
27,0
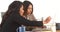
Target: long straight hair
x,y
26,5
14,7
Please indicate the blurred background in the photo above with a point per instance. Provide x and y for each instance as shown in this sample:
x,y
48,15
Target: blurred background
x,y
41,8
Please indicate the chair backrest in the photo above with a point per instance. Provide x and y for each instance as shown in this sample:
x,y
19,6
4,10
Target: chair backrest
x,y
2,13
57,26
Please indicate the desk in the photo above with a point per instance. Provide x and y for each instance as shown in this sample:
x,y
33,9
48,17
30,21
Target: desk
x,y
46,31
39,31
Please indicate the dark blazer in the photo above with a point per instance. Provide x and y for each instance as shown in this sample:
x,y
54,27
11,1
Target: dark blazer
x,y
15,20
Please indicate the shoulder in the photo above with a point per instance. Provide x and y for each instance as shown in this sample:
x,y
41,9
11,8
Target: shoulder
x,y
32,15
11,16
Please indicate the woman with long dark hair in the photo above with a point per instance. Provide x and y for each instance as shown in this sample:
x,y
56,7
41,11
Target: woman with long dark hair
x,y
28,10
13,18
28,13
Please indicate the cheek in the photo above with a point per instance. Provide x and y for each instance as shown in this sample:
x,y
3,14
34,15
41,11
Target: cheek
x,y
28,10
21,11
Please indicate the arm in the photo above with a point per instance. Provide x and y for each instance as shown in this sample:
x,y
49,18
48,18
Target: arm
x,y
23,21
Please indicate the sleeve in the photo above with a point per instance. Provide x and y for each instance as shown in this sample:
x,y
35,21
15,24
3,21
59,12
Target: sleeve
x,y
22,21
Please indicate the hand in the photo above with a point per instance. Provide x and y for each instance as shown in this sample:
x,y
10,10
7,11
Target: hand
x,y
47,20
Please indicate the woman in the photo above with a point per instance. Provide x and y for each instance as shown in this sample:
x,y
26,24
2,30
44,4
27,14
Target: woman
x,y
13,18
28,12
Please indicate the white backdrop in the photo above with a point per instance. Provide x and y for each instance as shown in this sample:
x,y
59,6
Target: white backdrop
x,y
42,8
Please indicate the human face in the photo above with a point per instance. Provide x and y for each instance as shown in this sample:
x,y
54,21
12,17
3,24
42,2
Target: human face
x,y
29,10
21,11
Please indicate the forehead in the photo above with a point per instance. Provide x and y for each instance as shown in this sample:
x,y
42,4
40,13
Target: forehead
x,y
30,5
